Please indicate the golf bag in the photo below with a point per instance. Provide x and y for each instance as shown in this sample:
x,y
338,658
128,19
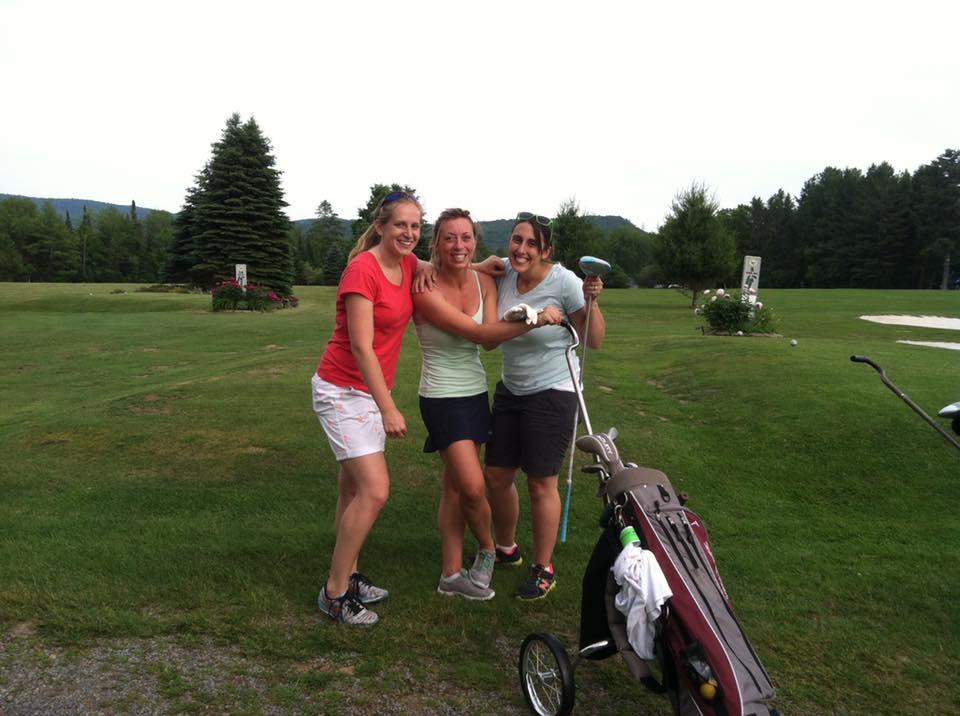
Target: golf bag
x,y
706,663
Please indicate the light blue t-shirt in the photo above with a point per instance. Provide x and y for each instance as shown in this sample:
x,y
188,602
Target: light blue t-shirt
x,y
535,361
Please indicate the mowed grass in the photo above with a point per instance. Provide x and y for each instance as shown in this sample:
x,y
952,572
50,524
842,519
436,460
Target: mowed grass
x,y
163,476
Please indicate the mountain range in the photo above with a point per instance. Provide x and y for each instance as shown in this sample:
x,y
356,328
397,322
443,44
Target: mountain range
x,y
495,233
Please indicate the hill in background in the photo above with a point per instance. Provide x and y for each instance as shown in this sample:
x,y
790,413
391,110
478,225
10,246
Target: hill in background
x,y
75,206
494,233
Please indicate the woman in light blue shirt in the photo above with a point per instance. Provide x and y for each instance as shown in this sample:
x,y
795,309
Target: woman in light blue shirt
x,y
534,403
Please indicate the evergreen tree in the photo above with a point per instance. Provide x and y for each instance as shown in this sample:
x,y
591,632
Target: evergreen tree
x,y
574,236
183,248
826,222
84,236
157,238
936,211
693,247
235,215
334,263
324,232
365,213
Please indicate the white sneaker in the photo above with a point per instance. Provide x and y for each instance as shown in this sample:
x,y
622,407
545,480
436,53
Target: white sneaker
x,y
460,585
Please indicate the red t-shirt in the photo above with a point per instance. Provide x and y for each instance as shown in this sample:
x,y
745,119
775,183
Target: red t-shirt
x,y
392,309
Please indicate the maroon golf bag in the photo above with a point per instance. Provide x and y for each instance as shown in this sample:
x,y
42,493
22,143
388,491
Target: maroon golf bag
x,y
707,665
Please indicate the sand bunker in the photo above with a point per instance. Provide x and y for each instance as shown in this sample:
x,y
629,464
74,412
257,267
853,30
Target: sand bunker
x,y
934,344
951,324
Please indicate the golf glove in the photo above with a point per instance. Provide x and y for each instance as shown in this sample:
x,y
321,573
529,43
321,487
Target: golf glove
x,y
522,312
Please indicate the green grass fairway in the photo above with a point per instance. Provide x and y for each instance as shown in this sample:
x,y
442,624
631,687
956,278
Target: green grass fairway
x,y
167,500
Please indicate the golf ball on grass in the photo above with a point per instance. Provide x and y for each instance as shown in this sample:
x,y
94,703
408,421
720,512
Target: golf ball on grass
x,y
793,341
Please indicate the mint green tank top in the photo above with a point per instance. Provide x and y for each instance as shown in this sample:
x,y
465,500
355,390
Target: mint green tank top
x,y
451,365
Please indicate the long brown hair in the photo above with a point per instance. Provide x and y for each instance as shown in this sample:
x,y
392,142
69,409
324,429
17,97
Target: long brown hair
x,y
543,235
384,213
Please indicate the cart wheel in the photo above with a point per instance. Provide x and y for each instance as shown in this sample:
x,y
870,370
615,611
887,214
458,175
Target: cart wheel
x,y
546,676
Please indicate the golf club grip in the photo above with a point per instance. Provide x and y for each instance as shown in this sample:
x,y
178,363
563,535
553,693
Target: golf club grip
x,y
864,359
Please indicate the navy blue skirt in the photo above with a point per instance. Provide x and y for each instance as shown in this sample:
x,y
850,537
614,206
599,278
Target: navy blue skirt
x,y
451,419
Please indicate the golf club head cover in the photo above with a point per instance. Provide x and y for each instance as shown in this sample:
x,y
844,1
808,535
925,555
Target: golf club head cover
x,y
521,312
602,446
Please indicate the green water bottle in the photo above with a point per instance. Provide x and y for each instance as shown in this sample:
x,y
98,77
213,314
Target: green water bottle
x,y
628,536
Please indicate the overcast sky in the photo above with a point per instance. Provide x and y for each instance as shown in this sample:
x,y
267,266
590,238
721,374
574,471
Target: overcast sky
x,y
493,106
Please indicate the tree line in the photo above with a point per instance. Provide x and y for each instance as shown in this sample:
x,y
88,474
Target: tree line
x,y
38,244
848,228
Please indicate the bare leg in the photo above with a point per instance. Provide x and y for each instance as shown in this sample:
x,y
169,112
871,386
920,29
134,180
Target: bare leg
x,y
370,484
451,523
347,491
545,510
462,460
504,502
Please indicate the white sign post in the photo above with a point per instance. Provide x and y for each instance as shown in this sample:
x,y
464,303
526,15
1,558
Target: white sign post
x,y
750,283
241,274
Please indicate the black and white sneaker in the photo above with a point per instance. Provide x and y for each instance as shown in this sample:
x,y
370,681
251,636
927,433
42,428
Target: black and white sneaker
x,y
365,591
346,609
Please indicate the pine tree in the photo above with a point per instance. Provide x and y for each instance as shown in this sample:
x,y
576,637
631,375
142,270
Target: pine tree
x,y
936,209
234,215
183,247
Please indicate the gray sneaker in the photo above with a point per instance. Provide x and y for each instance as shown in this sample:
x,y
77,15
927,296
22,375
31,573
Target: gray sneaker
x,y
346,609
365,591
460,585
482,570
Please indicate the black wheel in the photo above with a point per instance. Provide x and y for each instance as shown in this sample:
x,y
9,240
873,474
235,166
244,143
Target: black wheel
x,y
546,676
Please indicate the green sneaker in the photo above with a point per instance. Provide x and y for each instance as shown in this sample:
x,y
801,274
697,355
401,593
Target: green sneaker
x,y
538,584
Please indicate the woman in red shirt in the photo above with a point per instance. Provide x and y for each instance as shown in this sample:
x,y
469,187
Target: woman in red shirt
x,y
351,392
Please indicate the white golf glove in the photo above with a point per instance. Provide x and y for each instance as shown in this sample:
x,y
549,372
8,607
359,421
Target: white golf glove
x,y
522,312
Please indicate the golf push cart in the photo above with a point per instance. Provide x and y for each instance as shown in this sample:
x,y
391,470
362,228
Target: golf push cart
x,y
695,651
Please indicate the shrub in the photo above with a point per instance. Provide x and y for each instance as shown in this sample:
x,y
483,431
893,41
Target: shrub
x,y
231,296
724,314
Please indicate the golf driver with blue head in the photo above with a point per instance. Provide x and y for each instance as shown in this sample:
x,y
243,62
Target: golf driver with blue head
x,y
589,266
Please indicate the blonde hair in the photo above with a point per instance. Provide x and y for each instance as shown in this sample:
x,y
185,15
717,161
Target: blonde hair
x,y
449,215
384,213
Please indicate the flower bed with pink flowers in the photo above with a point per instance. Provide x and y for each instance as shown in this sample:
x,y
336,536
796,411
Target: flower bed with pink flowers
x,y
232,296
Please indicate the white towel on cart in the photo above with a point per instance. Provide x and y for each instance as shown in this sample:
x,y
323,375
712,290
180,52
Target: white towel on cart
x,y
643,590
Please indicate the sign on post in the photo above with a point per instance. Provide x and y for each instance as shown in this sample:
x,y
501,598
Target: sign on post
x,y
241,274
750,283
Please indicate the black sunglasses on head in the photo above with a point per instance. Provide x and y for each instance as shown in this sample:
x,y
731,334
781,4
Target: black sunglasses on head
x,y
527,216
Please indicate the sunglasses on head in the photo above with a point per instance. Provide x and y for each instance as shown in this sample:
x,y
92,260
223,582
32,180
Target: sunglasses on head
x,y
397,196
527,216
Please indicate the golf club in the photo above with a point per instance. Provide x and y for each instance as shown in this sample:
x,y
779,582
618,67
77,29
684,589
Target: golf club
x,y
589,266
952,411
949,411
